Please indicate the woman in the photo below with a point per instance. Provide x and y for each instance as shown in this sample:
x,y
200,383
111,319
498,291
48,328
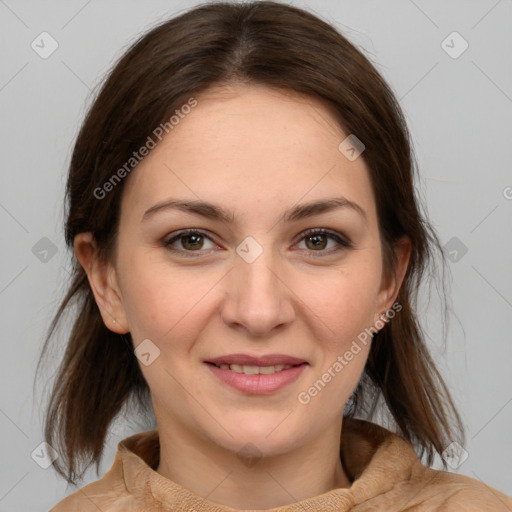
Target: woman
x,y
248,252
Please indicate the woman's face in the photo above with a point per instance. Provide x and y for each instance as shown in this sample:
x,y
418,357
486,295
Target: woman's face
x,y
254,283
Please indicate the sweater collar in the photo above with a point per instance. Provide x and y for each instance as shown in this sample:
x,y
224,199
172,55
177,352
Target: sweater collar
x,y
368,453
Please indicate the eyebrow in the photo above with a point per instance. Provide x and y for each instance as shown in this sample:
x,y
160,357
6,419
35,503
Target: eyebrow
x,y
214,212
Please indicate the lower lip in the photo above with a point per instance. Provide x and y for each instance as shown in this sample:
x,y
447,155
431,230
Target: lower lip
x,y
259,384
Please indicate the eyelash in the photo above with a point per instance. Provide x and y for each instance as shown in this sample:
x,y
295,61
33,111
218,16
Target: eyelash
x,y
343,242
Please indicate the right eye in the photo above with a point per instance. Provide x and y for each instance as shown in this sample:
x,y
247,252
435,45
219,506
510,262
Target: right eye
x,y
191,240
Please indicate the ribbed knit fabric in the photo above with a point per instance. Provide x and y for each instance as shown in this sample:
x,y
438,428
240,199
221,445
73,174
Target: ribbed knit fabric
x,y
386,476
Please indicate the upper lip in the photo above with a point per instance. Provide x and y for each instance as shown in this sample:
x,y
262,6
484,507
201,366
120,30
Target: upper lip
x,y
247,360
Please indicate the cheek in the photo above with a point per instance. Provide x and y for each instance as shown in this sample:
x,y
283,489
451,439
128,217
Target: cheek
x,y
339,311
342,302
160,300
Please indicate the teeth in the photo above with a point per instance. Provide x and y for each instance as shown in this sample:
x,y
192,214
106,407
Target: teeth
x,y
267,370
254,370
251,370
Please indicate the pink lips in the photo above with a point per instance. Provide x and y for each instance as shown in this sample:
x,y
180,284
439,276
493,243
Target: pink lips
x,y
260,384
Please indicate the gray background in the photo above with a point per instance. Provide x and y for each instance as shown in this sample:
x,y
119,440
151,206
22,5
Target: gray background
x,y
459,111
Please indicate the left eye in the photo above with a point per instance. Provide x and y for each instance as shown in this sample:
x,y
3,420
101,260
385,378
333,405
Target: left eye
x,y
315,239
318,240
191,240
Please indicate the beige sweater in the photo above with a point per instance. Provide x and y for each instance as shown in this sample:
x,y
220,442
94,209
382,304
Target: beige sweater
x,y
386,476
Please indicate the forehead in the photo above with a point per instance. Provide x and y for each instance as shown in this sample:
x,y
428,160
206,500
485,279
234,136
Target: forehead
x,y
248,143
245,115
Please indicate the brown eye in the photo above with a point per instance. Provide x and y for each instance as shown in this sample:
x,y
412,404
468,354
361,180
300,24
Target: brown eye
x,y
191,242
188,242
317,241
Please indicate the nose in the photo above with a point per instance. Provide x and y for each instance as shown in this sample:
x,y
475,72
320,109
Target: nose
x,y
258,298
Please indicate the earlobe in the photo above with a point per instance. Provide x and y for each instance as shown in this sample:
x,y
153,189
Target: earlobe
x,y
103,283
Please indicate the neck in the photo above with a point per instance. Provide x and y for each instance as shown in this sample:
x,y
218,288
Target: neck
x,y
241,482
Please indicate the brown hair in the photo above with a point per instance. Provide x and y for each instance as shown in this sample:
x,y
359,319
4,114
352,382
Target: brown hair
x,y
213,44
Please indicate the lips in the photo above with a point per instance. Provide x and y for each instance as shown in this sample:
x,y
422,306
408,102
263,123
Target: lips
x,y
257,375
257,380
267,360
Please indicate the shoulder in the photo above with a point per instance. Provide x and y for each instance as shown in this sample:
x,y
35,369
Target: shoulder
x,y
124,486
94,497
107,494
444,491
388,474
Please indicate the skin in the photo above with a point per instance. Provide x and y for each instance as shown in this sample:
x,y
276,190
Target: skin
x,y
256,152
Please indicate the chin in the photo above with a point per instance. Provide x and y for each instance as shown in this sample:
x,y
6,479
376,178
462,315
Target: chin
x,y
271,436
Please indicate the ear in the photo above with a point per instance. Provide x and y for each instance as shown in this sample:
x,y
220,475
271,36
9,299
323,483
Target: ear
x,y
103,282
390,285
